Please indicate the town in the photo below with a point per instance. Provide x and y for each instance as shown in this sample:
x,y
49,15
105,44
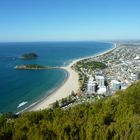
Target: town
x,y
104,75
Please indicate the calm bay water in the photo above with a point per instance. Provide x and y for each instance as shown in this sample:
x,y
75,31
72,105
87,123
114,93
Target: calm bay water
x,y
17,86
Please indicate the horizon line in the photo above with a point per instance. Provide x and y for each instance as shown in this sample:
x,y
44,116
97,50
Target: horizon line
x,y
112,40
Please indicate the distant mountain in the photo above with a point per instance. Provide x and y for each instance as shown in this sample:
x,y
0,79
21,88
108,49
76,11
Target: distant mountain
x,y
111,118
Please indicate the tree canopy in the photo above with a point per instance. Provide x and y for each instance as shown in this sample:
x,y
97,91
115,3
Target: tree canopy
x,y
111,118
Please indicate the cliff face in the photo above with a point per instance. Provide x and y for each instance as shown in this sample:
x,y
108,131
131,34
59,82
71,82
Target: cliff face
x,y
111,118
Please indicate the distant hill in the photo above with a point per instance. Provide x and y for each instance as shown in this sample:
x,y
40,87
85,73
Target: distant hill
x,y
112,118
28,56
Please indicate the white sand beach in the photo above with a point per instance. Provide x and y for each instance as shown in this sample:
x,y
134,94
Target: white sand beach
x,y
71,84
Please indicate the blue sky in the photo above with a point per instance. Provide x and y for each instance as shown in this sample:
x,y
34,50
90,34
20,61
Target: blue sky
x,y
67,20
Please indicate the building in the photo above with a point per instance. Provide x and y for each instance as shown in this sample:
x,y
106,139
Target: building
x,y
91,85
137,57
91,88
101,84
115,85
102,90
100,81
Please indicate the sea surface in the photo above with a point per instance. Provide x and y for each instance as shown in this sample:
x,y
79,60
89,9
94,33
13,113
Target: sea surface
x,y
20,89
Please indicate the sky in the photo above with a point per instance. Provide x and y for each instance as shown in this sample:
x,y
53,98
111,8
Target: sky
x,y
69,20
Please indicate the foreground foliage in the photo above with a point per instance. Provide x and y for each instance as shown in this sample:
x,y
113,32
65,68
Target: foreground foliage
x,y
113,118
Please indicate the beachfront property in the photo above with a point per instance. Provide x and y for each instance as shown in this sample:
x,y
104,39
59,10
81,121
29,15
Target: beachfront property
x,y
96,85
123,68
100,80
91,85
121,72
101,84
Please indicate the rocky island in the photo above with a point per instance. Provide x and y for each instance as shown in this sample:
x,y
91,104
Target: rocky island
x,y
28,56
34,67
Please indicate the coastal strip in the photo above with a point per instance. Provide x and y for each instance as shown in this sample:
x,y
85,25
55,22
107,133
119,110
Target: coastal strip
x,y
71,84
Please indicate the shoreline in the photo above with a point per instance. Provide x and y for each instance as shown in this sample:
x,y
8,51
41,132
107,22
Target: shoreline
x,y
70,84
33,105
64,90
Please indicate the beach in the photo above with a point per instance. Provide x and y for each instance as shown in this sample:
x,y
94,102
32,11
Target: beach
x,y
34,86
71,84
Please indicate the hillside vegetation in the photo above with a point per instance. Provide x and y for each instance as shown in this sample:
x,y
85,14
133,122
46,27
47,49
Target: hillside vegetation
x,y
112,118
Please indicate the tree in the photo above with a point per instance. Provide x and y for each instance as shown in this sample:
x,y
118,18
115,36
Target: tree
x,y
73,93
109,118
64,101
56,105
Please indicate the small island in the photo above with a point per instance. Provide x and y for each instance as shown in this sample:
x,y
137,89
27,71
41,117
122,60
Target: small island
x,y
33,67
29,56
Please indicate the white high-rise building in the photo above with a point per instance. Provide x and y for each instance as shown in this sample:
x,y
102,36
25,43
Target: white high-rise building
x,y
101,84
100,81
91,85
90,88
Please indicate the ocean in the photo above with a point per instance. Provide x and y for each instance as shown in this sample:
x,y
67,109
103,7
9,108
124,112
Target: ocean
x,y
20,89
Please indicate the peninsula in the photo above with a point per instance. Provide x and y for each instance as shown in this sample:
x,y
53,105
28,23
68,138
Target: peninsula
x,y
89,116
96,77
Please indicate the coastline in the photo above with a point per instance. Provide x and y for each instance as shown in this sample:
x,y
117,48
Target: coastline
x,y
69,85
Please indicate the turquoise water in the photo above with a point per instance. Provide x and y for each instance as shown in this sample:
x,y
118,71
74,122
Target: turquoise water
x,y
17,86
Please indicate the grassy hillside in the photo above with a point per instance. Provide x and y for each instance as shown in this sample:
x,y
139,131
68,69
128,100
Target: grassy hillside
x,y
114,118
